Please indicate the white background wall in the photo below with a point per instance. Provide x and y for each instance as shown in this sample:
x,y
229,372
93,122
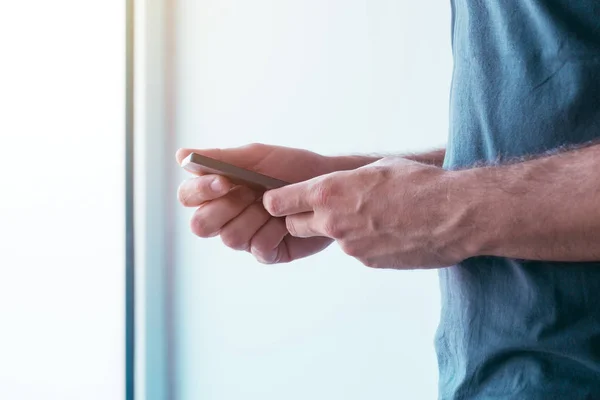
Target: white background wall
x,y
61,205
334,76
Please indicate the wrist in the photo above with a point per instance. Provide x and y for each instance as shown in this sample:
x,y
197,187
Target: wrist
x,y
469,213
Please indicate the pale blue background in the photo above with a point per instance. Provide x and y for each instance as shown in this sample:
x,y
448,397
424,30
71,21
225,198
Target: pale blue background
x,y
333,76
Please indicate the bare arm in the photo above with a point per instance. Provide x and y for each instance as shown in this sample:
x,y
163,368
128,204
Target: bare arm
x,y
543,209
412,215
241,222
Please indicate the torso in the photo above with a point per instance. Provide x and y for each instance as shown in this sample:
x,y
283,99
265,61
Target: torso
x,y
526,81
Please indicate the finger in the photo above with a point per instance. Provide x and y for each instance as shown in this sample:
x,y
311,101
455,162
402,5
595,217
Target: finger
x,y
293,248
264,243
210,217
195,191
304,225
291,199
238,233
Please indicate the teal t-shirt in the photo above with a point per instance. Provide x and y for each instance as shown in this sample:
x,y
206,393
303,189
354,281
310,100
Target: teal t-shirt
x,y
526,81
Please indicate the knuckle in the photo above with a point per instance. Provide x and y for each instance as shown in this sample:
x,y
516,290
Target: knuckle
x,y
321,194
351,249
332,228
324,191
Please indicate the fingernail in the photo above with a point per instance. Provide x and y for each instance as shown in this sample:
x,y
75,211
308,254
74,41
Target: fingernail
x,y
268,258
217,186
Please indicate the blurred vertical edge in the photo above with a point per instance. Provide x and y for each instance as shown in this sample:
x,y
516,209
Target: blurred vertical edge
x,y
129,204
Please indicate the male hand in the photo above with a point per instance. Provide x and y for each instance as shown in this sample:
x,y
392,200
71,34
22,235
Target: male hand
x,y
234,213
394,213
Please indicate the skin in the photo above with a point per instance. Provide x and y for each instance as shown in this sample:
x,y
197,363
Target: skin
x,y
387,214
234,214
543,209
400,213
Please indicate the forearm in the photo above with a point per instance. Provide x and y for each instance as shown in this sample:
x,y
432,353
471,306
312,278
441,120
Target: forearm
x,y
339,163
543,209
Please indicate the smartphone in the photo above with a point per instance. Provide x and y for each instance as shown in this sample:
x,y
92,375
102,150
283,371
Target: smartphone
x,y
203,165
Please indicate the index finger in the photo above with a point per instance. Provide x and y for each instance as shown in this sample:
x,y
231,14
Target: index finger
x,y
197,190
289,200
